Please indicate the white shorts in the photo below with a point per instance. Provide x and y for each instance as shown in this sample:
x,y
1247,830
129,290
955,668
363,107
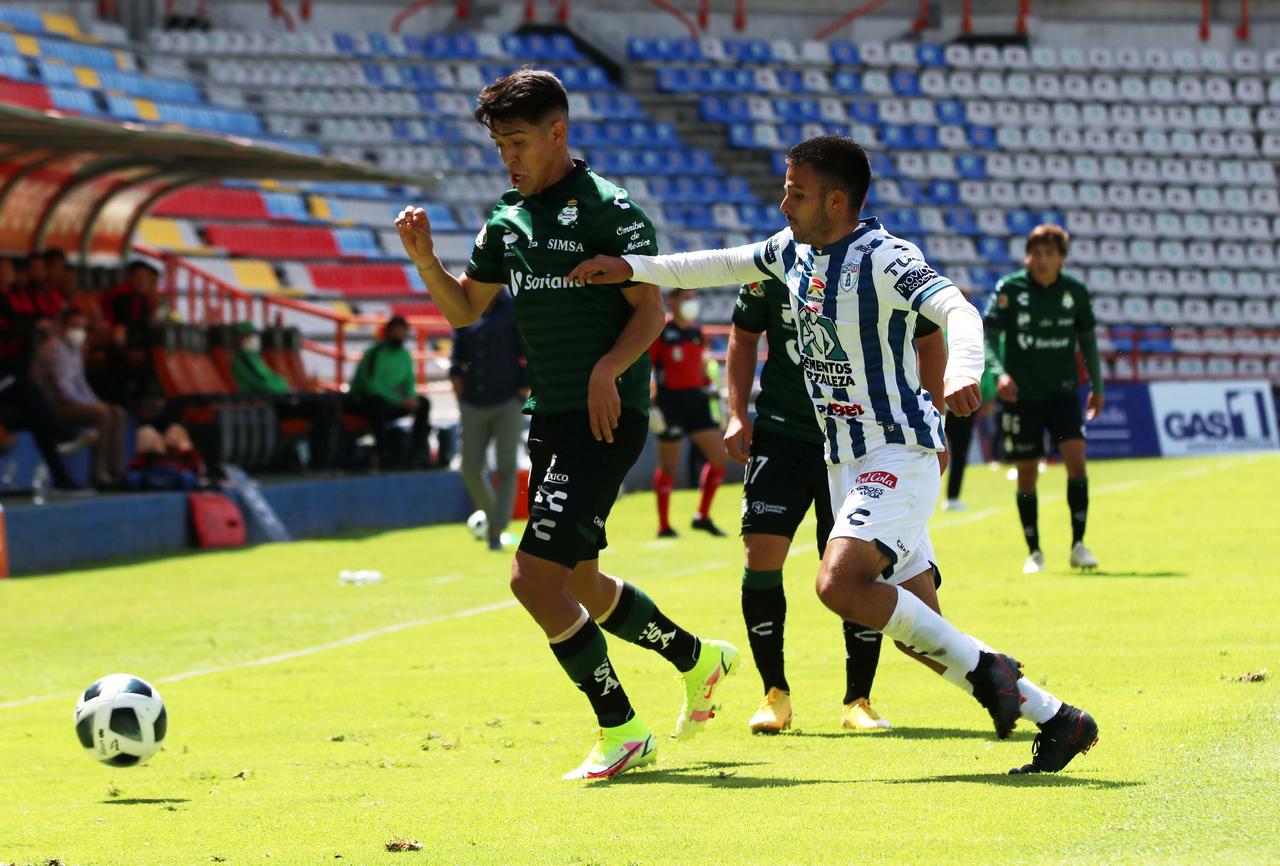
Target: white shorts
x,y
887,497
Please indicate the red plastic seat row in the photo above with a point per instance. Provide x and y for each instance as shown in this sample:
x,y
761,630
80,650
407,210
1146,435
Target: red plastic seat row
x,y
214,202
274,242
361,280
28,95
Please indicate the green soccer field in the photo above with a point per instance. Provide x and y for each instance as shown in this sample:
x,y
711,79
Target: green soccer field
x,y
312,722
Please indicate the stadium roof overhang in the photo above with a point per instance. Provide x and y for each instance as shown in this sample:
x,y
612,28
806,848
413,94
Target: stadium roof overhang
x,y
83,185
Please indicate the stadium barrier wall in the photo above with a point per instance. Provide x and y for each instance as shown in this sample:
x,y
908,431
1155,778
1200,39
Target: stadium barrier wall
x,y
89,532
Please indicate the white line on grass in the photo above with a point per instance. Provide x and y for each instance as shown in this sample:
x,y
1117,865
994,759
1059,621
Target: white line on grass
x,y
502,605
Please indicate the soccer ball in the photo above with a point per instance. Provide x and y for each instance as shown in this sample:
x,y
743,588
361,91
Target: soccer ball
x,y
121,720
478,523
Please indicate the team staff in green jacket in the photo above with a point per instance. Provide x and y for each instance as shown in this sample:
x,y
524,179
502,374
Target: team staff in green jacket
x,y
384,389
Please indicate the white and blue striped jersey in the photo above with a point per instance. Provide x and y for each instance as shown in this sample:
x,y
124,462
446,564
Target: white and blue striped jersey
x,y
855,304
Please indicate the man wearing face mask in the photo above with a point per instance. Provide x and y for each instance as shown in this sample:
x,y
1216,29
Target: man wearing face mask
x,y
681,409
58,371
385,388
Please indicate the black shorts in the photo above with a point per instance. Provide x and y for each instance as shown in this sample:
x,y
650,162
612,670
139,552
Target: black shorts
x,y
574,481
1023,424
784,477
685,411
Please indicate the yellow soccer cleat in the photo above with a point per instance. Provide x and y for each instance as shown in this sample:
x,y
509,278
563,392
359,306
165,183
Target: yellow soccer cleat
x,y
716,661
774,715
859,716
619,749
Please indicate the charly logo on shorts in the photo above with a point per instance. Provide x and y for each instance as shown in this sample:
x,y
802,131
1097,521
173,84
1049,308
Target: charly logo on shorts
x,y
557,478
885,479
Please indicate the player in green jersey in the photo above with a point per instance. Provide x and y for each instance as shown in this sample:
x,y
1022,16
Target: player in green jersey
x,y
588,369
786,473
1042,314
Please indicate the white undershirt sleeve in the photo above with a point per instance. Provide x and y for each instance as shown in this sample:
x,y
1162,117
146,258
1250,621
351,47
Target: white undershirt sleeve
x,y
698,270
950,310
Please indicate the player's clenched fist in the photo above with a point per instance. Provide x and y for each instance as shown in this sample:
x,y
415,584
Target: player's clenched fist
x,y
963,396
415,235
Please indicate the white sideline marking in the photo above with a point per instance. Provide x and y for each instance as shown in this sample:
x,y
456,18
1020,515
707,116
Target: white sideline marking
x,y
298,653
511,602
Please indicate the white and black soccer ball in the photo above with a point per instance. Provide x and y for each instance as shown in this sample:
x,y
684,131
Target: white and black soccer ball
x,y
121,720
478,523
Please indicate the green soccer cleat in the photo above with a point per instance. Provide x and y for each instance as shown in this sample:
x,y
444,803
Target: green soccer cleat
x,y
716,660
619,749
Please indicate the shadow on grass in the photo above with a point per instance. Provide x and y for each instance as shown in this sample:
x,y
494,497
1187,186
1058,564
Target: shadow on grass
x,y
716,774
917,734
1129,573
144,801
1029,780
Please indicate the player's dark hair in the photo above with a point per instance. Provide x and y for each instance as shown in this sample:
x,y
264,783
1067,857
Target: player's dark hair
x,y
1050,234
527,94
840,161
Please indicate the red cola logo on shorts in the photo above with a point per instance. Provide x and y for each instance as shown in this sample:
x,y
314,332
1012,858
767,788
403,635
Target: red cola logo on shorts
x,y
887,479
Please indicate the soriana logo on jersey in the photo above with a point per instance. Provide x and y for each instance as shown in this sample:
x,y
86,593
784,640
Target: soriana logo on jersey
x,y
885,479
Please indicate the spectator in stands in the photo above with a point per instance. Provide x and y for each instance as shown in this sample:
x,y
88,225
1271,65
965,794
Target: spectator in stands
x,y
165,462
49,301
58,372
487,372
58,274
22,406
384,389
253,376
130,310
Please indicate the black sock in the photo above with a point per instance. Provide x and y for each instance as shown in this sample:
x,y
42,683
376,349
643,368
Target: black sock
x,y
635,618
1028,513
585,658
861,656
1078,503
764,609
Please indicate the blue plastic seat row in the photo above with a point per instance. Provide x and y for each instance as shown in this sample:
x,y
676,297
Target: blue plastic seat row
x,y
757,51
616,106
224,120
1021,221
22,20
700,190
287,205
74,99
93,56
985,278
574,77
657,161
633,134
15,68
534,46
443,46
163,89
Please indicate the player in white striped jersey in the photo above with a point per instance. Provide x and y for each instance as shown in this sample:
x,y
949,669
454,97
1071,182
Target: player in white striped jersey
x,y
856,290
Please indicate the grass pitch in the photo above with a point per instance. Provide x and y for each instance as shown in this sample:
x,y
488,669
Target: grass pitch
x,y
313,722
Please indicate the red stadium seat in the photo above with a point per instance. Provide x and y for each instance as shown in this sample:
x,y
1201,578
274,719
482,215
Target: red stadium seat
x,y
29,95
214,202
274,242
361,280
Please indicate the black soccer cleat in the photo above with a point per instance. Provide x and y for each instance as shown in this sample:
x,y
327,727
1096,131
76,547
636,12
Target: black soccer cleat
x,y
705,524
1070,732
995,685
668,533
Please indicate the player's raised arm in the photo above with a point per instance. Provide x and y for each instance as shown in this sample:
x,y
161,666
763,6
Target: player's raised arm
x,y
461,300
697,270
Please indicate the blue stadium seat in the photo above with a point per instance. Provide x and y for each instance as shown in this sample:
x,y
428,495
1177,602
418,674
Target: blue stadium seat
x,y
640,48
22,20
971,166
897,137
1051,217
950,111
901,221
748,50
379,45
80,55
913,191
882,164
742,135
982,137
848,83
845,54
57,73
345,43
74,99
357,242
287,205
994,250
779,160
865,111
905,83
119,107
7,45
944,192
738,190
931,55
924,136
1020,221
961,221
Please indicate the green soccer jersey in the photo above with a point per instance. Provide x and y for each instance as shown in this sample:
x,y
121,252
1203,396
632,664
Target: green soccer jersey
x,y
783,405
530,243
1040,326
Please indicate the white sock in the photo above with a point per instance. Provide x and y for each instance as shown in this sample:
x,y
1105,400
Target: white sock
x,y
1038,705
915,624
